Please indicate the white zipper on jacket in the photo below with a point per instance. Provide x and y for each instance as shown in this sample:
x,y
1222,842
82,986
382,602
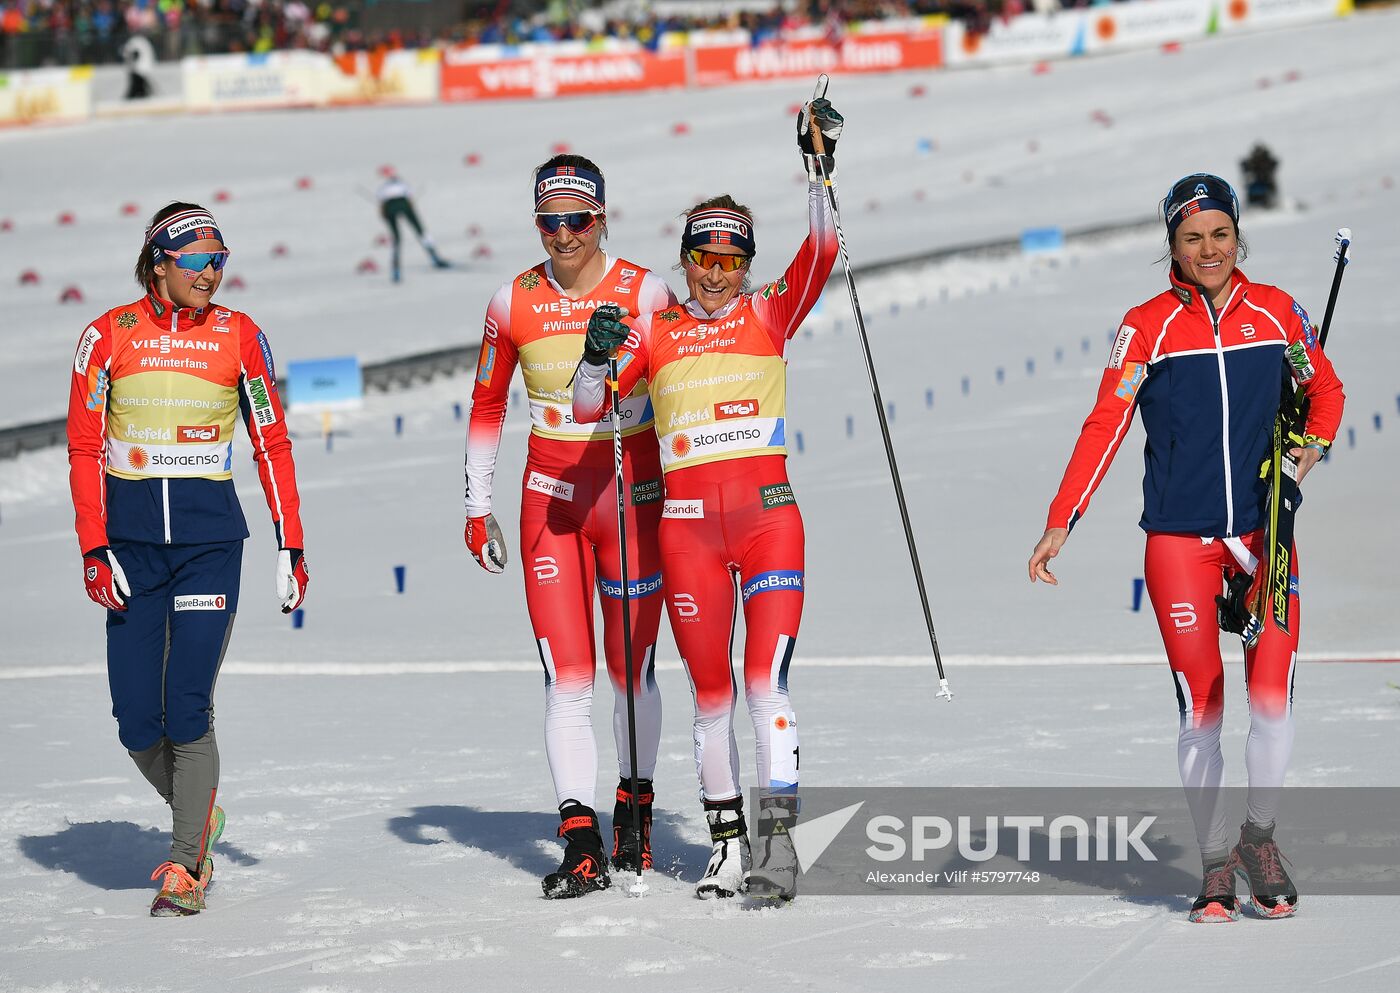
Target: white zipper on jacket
x,y
1224,410
165,480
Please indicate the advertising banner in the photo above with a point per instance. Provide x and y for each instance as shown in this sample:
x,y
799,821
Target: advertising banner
x,y
39,95
1144,23
1021,39
1235,15
272,79
543,71
324,384
867,51
406,75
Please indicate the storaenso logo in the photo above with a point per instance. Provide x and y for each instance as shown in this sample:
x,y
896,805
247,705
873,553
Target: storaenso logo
x,y
725,437
208,458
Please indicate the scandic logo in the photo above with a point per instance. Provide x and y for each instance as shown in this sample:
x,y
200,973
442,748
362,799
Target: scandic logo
x,y
735,408
692,510
187,433
557,488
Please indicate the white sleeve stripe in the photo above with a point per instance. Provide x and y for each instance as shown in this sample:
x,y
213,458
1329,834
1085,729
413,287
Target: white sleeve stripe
x,y
1158,344
1102,467
261,443
1270,316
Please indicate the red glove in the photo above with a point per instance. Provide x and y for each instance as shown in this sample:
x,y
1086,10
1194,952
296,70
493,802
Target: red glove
x,y
292,578
103,577
486,543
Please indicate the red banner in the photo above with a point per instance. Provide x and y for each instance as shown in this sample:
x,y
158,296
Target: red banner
x,y
548,75
873,52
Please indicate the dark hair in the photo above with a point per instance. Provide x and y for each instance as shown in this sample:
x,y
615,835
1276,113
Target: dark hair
x,y
725,202
145,265
578,162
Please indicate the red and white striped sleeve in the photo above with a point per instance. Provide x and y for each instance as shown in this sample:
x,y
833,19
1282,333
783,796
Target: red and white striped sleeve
x,y
266,422
495,365
87,433
783,304
1105,427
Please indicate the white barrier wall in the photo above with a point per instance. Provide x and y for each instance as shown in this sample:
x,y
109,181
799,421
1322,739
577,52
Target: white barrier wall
x,y
46,95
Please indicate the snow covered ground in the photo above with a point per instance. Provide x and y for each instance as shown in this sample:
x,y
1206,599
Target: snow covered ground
x,y
384,774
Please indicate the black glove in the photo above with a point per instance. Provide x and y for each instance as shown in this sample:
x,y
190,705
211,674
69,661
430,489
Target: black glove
x,y
1232,609
605,334
830,122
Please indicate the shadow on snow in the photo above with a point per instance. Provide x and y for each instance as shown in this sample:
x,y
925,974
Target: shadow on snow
x,y
111,855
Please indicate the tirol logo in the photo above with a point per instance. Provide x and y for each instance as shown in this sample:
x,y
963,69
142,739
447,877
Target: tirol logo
x,y
186,433
777,495
201,601
647,491
735,408
680,446
768,582
137,458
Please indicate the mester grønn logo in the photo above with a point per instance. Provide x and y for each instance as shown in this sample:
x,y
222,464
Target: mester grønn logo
x,y
1123,841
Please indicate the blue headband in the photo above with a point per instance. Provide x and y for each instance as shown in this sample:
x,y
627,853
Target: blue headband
x,y
570,181
179,230
718,226
1195,193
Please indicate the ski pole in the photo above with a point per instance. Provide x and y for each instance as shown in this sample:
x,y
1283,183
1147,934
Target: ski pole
x,y
638,887
819,146
1343,256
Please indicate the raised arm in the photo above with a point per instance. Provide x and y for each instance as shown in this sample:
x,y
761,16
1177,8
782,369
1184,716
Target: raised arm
x,y
785,303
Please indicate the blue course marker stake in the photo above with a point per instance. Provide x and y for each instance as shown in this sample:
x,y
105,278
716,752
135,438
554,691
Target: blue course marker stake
x,y
399,574
800,446
850,426
1059,355
1084,345
928,398
298,619
456,411
329,435
966,386
1030,367
1351,437
1376,420
1001,374
1139,585
889,410
398,424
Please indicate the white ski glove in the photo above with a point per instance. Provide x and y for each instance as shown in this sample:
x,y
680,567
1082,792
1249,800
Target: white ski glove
x,y
292,578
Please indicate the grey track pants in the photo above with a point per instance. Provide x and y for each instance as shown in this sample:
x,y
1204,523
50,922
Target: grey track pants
x,y
187,777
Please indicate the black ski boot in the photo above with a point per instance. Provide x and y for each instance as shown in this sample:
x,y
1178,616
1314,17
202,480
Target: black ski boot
x,y
584,868
1217,903
1257,858
624,851
774,874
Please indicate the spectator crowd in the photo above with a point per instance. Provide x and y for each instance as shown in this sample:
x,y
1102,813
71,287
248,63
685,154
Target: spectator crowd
x,y
68,32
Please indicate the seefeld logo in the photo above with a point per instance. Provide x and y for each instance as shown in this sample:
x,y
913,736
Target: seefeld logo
x,y
133,433
201,601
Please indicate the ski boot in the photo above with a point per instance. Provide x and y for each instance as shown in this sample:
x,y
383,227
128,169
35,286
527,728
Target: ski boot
x,y
729,850
1217,903
624,851
584,868
1258,860
775,875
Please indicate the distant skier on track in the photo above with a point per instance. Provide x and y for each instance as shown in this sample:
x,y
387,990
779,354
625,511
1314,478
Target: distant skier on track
x,y
730,530
568,512
1204,361
395,205
157,387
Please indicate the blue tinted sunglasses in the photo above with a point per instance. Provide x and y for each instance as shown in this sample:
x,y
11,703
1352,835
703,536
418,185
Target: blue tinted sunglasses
x,y
577,221
198,261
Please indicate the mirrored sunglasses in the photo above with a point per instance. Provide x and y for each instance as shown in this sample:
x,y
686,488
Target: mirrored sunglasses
x,y
577,221
198,261
708,260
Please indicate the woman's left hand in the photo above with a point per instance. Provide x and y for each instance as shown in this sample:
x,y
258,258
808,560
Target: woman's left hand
x,y
1306,457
